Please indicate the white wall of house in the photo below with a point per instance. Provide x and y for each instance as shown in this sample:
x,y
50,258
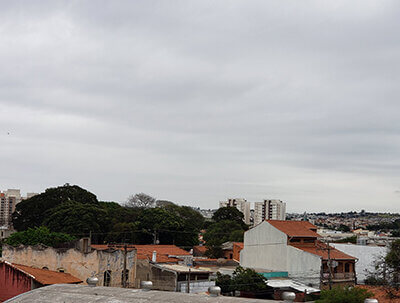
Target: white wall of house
x,y
265,247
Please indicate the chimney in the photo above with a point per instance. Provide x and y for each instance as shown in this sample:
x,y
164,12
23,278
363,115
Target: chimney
x,y
154,257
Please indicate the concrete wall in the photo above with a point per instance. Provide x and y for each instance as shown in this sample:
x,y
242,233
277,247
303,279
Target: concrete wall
x,y
12,282
265,247
74,262
195,286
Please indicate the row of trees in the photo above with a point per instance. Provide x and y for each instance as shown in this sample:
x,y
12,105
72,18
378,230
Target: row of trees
x,y
77,212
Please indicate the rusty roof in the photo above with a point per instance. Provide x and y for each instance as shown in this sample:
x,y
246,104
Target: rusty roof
x,y
44,276
295,228
320,249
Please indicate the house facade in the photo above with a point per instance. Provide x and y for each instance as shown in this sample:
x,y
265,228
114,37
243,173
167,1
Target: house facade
x,y
293,247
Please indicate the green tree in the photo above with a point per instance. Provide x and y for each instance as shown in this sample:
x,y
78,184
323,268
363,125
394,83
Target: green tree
x,y
243,279
38,235
160,224
344,295
77,218
229,214
31,212
221,232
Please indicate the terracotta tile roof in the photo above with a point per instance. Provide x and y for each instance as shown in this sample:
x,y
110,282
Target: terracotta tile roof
x,y
46,277
295,228
381,293
240,244
201,249
165,253
319,250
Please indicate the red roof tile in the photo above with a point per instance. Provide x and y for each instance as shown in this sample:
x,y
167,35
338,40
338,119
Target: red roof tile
x,y
240,244
46,277
295,228
320,250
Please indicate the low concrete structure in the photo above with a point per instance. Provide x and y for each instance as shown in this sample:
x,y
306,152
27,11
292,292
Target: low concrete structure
x,y
81,293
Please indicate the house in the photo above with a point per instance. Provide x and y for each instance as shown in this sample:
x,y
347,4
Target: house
x,y
199,251
81,261
16,279
293,247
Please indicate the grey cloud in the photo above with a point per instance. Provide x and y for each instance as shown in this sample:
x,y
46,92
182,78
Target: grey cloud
x,y
196,101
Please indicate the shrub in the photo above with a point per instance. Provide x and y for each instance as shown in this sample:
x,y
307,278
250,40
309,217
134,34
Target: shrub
x,y
344,295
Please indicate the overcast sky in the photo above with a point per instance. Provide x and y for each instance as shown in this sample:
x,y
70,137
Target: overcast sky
x,y
198,101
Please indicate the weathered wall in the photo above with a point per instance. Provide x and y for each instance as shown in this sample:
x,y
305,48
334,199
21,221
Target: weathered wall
x,y
303,266
12,282
78,264
162,279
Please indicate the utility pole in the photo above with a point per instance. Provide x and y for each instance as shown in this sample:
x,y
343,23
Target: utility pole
x,y
124,271
188,283
329,263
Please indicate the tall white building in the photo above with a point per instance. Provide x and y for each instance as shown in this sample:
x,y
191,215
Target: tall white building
x,y
8,200
241,204
269,210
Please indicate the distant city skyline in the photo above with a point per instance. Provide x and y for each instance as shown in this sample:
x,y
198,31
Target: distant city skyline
x,y
195,102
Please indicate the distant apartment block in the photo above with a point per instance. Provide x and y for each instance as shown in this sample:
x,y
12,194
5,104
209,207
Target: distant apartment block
x,y
269,210
241,204
8,201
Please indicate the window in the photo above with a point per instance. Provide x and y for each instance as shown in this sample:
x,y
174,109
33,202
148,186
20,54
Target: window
x,y
61,269
347,267
309,240
45,267
107,278
295,240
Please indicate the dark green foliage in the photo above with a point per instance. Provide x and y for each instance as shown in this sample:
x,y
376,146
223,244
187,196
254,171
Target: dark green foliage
x,y
30,212
344,295
373,280
38,235
225,282
241,280
77,218
344,228
227,227
229,214
352,239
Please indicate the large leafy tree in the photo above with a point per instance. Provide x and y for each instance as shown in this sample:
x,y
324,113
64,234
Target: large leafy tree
x,y
229,214
31,212
141,200
158,224
38,235
221,232
243,279
77,218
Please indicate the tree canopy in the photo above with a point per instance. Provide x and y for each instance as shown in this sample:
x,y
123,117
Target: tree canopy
x,y
141,200
243,279
30,212
38,235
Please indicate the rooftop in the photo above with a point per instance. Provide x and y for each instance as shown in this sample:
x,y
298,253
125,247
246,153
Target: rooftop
x,y
320,250
44,276
82,293
295,228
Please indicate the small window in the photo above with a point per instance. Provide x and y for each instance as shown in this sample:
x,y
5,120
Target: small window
x,y
295,240
46,268
107,278
61,270
347,267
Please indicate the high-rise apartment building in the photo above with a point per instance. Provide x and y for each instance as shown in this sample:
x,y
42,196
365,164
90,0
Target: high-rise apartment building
x,y
8,200
241,204
269,210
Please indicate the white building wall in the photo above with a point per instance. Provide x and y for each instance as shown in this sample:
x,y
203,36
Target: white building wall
x,y
241,204
265,248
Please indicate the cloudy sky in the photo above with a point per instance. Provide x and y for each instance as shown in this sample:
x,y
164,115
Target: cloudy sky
x,y
198,101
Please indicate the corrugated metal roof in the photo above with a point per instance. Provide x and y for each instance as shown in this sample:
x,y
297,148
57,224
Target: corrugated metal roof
x,y
281,283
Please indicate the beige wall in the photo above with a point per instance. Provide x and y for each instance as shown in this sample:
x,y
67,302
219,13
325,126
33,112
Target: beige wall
x,y
78,264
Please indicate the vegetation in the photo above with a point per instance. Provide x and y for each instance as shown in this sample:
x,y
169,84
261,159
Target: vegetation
x,y
228,225
344,295
352,239
75,211
38,235
242,280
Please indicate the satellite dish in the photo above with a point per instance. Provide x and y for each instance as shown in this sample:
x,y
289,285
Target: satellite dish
x,y
334,263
